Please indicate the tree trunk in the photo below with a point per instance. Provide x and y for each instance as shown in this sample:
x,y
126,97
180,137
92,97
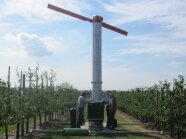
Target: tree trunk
x,y
164,126
178,132
181,134
49,117
40,119
45,117
27,124
22,126
172,135
6,131
34,121
17,131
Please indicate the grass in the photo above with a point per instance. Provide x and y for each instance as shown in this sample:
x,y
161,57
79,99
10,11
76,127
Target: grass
x,y
120,119
13,127
93,137
10,128
59,126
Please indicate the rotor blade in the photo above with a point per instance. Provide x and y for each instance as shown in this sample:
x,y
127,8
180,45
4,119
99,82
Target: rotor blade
x,y
114,28
50,6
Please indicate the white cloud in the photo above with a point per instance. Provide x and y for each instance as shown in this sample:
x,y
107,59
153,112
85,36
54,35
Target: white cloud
x,y
177,65
160,50
37,11
155,44
167,16
33,45
9,47
23,44
171,13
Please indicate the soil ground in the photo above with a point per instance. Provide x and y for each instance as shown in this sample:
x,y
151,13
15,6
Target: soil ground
x,y
136,125
125,123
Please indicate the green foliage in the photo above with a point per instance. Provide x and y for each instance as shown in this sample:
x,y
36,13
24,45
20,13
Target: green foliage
x,y
8,100
40,96
159,104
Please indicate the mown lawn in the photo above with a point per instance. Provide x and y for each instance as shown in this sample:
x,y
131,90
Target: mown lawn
x,y
96,137
13,127
122,127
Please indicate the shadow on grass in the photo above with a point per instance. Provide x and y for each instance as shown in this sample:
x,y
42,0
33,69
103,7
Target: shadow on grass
x,y
103,136
55,126
127,134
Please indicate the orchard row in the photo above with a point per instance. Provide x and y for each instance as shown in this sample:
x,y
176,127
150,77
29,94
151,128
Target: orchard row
x,y
36,95
164,105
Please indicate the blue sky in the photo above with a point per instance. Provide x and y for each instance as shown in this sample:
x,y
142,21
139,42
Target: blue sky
x,y
155,48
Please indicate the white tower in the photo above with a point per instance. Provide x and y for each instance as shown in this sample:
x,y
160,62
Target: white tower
x,y
97,59
95,108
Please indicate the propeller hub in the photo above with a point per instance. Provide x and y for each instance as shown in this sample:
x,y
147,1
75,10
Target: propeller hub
x,y
97,18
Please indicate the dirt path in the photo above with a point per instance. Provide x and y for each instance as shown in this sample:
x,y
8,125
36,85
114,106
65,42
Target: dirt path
x,y
128,124
125,122
135,125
